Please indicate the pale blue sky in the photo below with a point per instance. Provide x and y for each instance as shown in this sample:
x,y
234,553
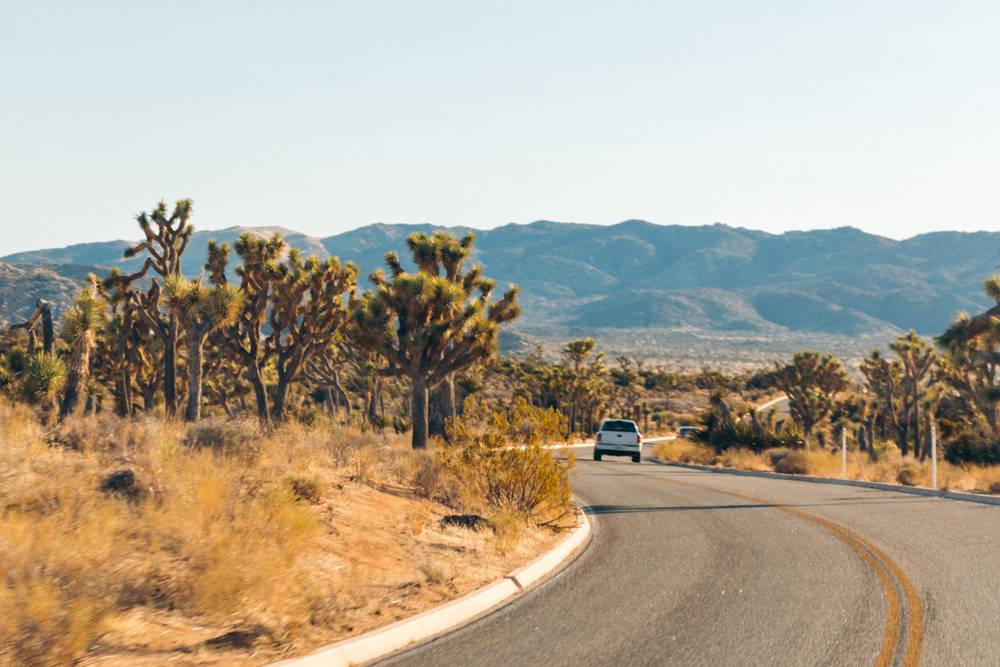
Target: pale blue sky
x,y
326,116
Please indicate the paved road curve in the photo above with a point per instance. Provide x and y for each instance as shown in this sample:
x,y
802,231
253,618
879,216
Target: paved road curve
x,y
697,568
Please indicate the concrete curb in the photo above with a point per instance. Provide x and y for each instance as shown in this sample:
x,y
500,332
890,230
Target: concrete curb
x,y
383,641
898,488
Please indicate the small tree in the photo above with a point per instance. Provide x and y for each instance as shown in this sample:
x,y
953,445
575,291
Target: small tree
x,y
167,238
42,381
811,383
258,274
80,327
201,309
917,357
307,313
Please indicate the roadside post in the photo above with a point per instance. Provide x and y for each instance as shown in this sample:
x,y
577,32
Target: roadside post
x,y
934,454
843,450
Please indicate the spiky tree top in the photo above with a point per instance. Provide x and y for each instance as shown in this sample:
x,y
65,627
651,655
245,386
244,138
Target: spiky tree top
x,y
811,382
439,326
167,238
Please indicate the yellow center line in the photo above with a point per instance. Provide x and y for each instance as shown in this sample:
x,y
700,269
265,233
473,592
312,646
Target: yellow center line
x,y
880,563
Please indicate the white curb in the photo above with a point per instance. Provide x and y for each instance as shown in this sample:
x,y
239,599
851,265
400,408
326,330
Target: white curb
x,y
381,642
898,488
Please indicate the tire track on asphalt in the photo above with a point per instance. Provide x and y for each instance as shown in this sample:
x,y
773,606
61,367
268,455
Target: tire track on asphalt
x,y
883,566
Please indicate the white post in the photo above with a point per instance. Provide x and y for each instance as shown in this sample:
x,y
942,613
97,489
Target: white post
x,y
934,454
843,450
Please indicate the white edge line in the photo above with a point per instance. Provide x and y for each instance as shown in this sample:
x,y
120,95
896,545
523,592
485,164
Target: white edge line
x,y
385,640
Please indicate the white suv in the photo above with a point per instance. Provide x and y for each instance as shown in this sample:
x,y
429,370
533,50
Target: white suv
x,y
618,437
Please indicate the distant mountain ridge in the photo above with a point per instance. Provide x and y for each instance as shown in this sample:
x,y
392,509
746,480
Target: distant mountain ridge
x,y
580,278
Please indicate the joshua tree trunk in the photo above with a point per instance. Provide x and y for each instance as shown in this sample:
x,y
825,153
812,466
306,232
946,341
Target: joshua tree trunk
x,y
148,397
123,395
259,392
170,368
48,337
419,413
342,394
79,375
196,332
193,412
224,400
447,390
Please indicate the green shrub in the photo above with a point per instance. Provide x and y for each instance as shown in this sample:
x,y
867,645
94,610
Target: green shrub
x,y
972,443
498,453
910,476
795,463
776,454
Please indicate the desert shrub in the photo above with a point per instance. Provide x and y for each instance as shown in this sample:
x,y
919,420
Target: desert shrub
x,y
743,459
776,454
795,463
402,424
725,431
305,488
423,473
239,438
498,454
508,529
684,451
910,476
972,442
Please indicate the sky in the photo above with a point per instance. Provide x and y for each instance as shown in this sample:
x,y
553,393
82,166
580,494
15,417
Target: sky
x,y
327,116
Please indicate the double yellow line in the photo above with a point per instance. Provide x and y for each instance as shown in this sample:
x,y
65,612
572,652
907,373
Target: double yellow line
x,y
881,564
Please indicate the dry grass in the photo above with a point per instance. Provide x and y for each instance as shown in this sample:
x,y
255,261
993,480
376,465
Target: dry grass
x,y
684,451
891,468
138,542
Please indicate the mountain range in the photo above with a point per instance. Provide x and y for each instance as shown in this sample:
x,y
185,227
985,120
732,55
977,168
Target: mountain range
x,y
642,288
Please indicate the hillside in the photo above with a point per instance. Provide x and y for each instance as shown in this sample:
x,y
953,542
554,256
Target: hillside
x,y
715,287
23,284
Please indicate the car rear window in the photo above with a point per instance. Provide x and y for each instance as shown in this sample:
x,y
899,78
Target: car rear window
x,y
624,426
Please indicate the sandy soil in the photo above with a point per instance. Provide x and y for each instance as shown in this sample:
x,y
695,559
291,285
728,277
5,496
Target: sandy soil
x,y
385,556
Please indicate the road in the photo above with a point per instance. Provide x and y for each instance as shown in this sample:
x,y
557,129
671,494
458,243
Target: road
x,y
698,568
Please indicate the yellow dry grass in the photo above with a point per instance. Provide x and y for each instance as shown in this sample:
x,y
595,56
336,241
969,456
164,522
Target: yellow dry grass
x,y
146,541
891,468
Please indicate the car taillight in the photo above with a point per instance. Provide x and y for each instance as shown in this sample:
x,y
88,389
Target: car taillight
x,y
640,439
598,436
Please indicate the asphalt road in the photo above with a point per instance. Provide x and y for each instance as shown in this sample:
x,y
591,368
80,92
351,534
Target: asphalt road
x,y
698,568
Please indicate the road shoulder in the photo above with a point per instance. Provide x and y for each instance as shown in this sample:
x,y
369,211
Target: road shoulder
x,y
452,615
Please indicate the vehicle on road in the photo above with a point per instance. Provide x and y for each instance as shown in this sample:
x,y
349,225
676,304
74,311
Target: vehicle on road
x,y
618,437
687,432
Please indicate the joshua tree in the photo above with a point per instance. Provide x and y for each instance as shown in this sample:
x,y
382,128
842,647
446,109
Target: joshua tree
x,y
307,313
971,357
917,356
43,311
166,240
811,383
630,383
42,381
577,352
443,255
258,273
201,310
80,327
323,370
883,378
431,326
